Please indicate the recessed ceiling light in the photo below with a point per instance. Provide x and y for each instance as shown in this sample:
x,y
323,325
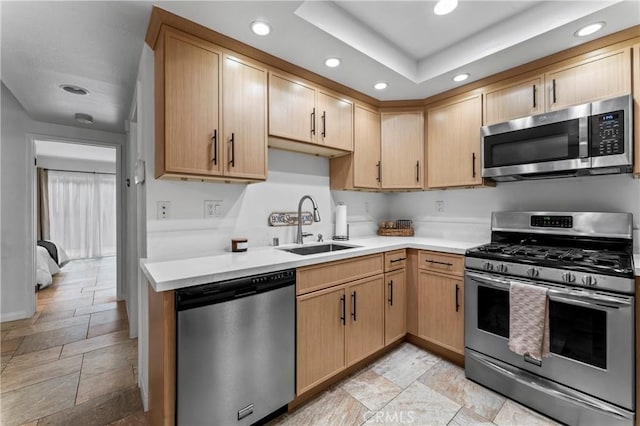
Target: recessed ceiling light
x,y
332,62
460,77
590,29
380,85
83,118
445,6
260,28
76,90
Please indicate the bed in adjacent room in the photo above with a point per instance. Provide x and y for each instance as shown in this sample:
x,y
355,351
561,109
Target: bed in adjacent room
x,y
50,256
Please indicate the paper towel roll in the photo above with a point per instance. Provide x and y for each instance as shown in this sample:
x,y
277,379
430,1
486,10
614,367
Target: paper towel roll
x,y
341,220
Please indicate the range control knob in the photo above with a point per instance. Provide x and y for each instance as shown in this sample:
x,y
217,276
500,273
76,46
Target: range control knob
x,y
589,280
533,272
502,268
488,266
568,277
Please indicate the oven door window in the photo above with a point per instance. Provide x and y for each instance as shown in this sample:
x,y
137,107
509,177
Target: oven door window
x,y
551,142
493,311
578,333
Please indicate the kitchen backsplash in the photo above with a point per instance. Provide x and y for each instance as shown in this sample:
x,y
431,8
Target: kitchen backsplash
x,y
462,214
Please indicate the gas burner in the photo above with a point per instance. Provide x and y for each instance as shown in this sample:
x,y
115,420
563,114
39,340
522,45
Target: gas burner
x,y
493,247
611,260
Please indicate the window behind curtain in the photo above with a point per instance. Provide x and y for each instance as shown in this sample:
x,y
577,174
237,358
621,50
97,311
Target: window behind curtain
x,y
82,213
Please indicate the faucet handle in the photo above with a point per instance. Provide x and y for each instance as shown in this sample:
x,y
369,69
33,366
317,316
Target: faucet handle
x,y
320,238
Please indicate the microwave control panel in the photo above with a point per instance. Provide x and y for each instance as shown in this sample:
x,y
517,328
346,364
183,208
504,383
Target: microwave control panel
x,y
607,134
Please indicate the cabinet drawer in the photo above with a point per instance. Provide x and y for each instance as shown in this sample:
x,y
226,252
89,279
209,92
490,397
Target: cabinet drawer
x,y
317,277
441,262
396,259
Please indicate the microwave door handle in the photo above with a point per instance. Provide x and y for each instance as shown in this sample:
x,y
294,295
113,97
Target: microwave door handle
x,y
583,137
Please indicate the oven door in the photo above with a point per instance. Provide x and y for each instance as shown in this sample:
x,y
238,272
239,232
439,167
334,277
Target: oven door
x,y
548,143
591,335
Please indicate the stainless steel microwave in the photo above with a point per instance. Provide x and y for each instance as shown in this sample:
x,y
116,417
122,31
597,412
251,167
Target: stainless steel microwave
x,y
589,139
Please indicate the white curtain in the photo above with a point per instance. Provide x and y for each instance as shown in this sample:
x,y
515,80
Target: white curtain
x,y
82,213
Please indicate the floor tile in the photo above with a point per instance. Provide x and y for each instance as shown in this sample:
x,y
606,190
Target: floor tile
x,y
99,287
94,343
96,308
515,414
15,376
333,407
109,327
92,386
36,358
138,419
48,326
70,304
9,346
54,314
418,404
101,410
49,339
109,315
11,325
113,357
467,417
449,380
39,400
104,296
4,360
371,389
405,364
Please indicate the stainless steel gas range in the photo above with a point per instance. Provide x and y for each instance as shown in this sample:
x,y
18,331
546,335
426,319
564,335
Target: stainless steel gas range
x,y
585,261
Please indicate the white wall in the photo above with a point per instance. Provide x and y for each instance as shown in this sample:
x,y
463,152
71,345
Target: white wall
x,y
467,212
76,164
17,226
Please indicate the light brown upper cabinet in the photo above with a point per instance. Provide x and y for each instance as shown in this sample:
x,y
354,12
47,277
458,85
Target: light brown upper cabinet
x,y
301,112
453,143
599,77
244,113
366,148
402,150
210,111
335,121
520,98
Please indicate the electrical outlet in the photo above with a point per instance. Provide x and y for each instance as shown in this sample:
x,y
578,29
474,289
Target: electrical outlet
x,y
212,208
440,206
164,209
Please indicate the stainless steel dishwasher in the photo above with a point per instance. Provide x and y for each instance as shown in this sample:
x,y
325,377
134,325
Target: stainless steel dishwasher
x,y
235,349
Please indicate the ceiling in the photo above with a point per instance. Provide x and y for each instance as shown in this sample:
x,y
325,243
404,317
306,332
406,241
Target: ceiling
x,y
97,44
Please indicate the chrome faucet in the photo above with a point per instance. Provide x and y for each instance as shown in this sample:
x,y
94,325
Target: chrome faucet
x,y
316,217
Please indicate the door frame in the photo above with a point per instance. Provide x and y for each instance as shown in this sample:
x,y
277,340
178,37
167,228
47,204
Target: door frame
x,y
120,207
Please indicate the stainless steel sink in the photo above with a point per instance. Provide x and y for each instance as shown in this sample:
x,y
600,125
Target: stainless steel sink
x,y
320,248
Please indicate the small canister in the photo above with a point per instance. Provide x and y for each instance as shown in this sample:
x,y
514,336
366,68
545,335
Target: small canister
x,y
239,244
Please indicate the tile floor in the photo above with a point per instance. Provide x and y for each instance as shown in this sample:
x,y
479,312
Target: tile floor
x,y
410,386
72,363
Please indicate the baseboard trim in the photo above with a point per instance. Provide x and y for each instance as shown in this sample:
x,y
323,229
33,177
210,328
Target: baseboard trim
x,y
13,316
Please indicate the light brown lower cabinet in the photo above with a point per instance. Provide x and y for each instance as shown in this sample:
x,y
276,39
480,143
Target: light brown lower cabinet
x,y
336,328
441,310
395,312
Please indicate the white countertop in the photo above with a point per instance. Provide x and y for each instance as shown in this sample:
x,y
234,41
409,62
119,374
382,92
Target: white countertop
x,y
175,274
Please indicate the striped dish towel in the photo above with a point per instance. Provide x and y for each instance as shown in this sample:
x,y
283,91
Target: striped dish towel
x,y
529,320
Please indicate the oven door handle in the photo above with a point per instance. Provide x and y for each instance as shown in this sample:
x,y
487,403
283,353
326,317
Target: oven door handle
x,y
576,297
548,387
592,300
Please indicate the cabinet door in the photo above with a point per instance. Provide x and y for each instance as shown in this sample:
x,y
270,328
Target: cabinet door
x,y
402,149
601,77
453,144
292,113
191,102
335,122
320,337
441,310
395,313
515,100
366,148
244,113
365,311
